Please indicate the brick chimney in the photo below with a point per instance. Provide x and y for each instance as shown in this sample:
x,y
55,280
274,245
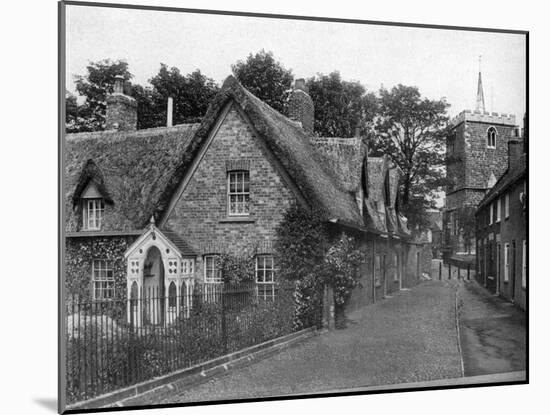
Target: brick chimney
x,y
121,112
300,106
515,151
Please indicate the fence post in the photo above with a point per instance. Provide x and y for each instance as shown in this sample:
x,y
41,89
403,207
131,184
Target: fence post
x,y
440,265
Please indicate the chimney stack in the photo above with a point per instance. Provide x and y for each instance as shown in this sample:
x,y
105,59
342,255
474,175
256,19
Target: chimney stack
x,y
515,150
121,111
169,112
300,106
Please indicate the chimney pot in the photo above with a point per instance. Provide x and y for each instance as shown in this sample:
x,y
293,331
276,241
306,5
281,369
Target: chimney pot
x,y
119,84
169,112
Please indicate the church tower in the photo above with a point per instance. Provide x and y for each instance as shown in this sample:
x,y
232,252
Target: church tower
x,y
476,156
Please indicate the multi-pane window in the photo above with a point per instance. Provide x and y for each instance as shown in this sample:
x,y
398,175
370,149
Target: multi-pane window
x,y
507,205
524,265
265,277
211,272
506,261
238,193
499,202
103,279
93,213
492,137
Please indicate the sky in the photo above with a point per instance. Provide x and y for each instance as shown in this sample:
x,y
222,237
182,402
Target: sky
x,y
441,63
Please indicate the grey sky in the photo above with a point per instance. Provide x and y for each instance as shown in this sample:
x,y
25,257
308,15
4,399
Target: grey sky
x,y
442,63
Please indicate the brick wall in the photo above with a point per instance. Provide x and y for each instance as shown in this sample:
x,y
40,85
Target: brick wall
x,y
508,230
200,215
121,113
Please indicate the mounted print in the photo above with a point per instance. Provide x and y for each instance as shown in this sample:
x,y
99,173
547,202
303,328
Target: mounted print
x,y
258,206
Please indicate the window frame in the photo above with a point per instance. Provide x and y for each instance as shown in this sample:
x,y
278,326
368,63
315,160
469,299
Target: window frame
x,y
499,213
265,290
492,137
506,262
107,283
491,207
211,280
237,194
506,205
98,208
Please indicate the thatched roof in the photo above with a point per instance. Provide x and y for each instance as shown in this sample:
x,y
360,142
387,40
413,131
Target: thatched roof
x,y
289,143
345,157
132,167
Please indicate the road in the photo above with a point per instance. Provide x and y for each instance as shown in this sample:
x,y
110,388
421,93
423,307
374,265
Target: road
x,y
411,337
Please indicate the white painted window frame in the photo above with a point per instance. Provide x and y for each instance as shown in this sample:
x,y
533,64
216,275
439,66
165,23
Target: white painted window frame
x,y
238,193
506,205
499,202
106,282
491,208
211,279
506,262
94,211
267,291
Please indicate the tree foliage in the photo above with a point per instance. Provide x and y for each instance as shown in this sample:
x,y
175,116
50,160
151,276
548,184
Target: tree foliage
x,y
265,77
340,106
411,131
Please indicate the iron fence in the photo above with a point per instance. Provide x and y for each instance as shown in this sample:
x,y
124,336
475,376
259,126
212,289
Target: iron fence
x,y
116,343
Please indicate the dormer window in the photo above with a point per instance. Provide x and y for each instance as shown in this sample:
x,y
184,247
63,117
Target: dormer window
x,y
94,210
238,193
492,137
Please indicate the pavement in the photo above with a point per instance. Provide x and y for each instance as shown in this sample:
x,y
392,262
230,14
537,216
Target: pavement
x,y
408,339
492,332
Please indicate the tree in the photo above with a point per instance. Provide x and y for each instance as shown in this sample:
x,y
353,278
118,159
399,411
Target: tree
x,y
341,271
265,77
94,86
191,93
411,131
340,106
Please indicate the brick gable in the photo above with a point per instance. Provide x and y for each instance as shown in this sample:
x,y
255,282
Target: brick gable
x,y
200,214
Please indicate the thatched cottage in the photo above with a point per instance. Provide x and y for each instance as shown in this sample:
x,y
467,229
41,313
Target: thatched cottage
x,y
153,208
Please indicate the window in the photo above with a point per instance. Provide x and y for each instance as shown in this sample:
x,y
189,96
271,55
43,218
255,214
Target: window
x,y
499,202
492,137
211,272
238,193
524,265
396,272
172,295
103,279
506,205
506,261
491,214
188,266
265,277
93,213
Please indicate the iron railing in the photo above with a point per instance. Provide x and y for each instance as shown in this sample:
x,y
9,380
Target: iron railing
x,y
116,343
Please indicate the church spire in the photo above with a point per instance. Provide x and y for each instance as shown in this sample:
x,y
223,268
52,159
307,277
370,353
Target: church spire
x,y
480,101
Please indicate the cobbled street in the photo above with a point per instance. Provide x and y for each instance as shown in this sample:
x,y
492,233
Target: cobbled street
x,y
409,337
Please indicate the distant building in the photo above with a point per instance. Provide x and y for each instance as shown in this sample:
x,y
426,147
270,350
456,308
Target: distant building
x,y
477,154
501,230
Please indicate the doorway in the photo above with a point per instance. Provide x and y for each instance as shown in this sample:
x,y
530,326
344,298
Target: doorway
x,y
153,287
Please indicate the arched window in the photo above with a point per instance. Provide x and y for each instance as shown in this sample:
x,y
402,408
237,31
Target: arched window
x,y
172,295
492,137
